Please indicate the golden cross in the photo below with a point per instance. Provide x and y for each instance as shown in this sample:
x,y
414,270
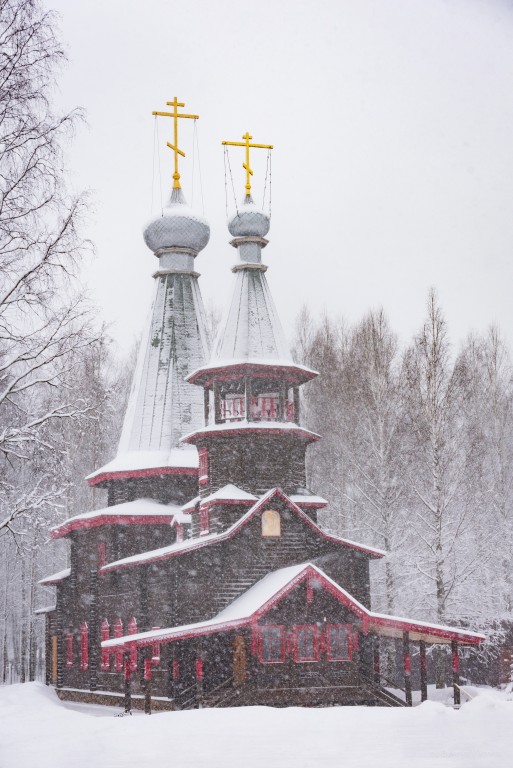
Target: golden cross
x,y
174,114
247,138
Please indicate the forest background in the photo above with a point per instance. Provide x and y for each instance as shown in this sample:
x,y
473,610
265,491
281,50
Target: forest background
x,y
416,454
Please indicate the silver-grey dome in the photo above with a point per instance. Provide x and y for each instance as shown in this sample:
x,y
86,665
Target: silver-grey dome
x,y
178,227
249,221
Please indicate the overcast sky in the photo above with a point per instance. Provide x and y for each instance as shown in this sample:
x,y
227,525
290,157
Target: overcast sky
x,y
392,122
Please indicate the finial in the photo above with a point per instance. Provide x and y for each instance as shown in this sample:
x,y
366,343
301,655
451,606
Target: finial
x,y
175,104
247,138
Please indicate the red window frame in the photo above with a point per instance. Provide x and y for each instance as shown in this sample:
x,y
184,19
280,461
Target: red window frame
x,y
203,466
204,519
262,630
316,646
118,653
69,649
84,646
349,629
132,630
102,554
105,635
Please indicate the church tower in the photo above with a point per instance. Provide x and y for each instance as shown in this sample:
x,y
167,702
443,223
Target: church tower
x,y
252,438
162,406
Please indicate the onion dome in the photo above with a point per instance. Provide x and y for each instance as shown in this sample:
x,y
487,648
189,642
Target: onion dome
x,y
177,227
249,221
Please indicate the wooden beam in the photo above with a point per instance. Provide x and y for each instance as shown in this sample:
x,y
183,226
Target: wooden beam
x,y
456,672
407,668
423,670
377,661
147,682
128,690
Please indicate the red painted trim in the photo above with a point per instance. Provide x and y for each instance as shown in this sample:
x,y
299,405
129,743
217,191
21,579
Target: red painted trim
x,y
407,664
261,644
264,501
296,630
94,522
84,646
102,554
202,434
176,669
455,662
199,669
147,669
105,635
151,472
349,633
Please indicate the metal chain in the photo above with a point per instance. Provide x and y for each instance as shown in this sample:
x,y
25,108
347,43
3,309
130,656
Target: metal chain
x,y
196,134
160,169
231,177
265,181
270,182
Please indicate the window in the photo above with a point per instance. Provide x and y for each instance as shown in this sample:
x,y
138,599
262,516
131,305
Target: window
x,y
271,523
204,520
203,466
233,406
339,642
84,646
272,647
132,630
118,653
102,554
69,649
105,635
306,643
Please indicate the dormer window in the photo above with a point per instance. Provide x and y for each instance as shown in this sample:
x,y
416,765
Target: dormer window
x,y
271,523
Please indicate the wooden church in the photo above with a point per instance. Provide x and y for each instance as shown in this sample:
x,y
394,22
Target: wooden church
x,y
207,579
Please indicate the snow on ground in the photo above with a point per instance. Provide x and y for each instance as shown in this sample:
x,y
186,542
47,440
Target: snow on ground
x,y
39,731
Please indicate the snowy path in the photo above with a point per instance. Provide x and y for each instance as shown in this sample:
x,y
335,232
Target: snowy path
x,y
38,731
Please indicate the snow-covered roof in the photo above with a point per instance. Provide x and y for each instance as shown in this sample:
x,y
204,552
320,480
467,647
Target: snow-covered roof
x,y
307,500
238,427
46,609
139,511
214,538
301,373
162,405
229,492
182,460
257,600
55,578
190,506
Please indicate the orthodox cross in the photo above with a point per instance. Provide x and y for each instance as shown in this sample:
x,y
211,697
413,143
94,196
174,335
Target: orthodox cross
x,y
246,143
174,114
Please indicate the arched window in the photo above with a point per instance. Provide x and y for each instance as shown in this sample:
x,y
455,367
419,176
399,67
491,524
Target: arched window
x,y
105,635
132,630
271,523
84,646
118,653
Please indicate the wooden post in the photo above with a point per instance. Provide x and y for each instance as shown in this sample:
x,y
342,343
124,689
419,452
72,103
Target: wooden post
x,y
296,405
128,692
377,661
199,680
147,685
206,404
249,398
456,672
423,671
407,668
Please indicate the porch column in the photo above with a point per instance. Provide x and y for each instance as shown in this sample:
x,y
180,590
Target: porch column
x,y
199,674
407,668
456,672
127,671
377,661
147,683
249,396
423,671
